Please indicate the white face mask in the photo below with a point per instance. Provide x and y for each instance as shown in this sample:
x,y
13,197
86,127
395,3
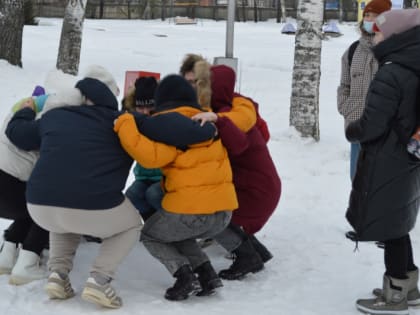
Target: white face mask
x,y
368,26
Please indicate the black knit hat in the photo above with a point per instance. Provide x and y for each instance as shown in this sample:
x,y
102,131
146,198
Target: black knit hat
x,y
145,91
174,91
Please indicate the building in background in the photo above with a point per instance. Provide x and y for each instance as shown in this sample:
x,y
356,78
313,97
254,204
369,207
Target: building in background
x,y
207,9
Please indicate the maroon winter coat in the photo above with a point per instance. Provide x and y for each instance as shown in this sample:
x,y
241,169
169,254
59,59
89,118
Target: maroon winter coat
x,y
257,184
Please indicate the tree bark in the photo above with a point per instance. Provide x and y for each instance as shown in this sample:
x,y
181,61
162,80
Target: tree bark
x,y
304,104
71,37
11,30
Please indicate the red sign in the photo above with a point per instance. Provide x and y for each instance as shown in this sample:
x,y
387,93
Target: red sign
x,y
131,76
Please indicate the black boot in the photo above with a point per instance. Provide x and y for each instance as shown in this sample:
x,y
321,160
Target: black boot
x,y
246,260
209,280
186,284
261,249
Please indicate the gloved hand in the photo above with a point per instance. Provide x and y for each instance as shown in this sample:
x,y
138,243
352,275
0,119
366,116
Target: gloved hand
x,y
39,102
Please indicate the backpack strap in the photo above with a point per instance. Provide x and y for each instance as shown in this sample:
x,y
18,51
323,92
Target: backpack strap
x,y
352,49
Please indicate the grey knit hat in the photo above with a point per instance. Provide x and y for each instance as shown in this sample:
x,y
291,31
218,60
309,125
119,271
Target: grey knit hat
x,y
397,21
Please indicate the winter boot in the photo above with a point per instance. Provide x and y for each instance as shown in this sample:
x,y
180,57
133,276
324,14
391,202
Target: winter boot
x,y
413,296
59,287
186,284
261,249
27,268
7,257
208,279
392,302
103,295
246,260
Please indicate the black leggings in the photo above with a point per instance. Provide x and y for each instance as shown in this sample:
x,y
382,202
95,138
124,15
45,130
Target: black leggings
x,y
13,206
398,257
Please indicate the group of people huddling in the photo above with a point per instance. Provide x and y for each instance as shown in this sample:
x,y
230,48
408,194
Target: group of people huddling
x,y
203,171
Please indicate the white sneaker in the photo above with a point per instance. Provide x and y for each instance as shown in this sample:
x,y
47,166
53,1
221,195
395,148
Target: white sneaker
x,y
59,288
27,268
103,295
7,257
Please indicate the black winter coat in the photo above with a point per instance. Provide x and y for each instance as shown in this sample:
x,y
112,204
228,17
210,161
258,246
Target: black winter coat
x,y
385,196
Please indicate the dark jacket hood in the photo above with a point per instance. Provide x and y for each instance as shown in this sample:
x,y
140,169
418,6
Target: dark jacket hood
x,y
222,87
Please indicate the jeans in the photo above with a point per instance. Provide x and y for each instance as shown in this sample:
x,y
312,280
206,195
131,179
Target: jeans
x,y
145,196
171,237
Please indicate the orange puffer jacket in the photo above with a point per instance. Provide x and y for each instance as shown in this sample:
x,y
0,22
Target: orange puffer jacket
x,y
196,181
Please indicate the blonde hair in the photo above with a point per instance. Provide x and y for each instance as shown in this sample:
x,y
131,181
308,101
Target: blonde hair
x,y
201,69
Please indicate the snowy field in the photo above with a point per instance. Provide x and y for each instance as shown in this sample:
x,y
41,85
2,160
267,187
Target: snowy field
x,y
315,269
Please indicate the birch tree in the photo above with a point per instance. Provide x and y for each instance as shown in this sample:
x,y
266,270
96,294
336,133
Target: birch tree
x,y
304,103
71,37
11,30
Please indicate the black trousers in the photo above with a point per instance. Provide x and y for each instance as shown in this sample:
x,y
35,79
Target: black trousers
x,y
13,206
398,257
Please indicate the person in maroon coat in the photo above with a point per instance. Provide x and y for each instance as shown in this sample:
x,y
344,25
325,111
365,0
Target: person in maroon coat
x,y
255,177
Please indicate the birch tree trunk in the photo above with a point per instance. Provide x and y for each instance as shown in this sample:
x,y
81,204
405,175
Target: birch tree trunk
x,y
11,30
71,37
304,104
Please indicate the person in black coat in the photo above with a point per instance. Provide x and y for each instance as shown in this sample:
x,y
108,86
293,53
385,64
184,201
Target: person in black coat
x,y
385,196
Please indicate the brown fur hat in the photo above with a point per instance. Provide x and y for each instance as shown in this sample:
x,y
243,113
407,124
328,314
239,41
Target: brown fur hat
x,y
201,68
188,63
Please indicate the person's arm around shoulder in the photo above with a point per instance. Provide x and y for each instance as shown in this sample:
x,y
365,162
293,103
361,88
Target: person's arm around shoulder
x,y
242,114
235,140
176,130
23,130
148,153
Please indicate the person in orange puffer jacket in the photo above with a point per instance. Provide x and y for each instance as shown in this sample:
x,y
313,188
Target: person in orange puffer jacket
x,y
199,194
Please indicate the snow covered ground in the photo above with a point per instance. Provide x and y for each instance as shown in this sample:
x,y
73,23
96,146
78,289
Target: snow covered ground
x,y
315,269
